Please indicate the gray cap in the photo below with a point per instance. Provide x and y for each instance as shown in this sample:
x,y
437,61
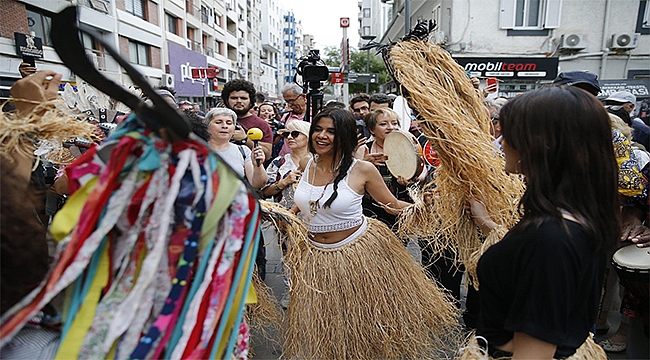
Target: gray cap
x,y
622,97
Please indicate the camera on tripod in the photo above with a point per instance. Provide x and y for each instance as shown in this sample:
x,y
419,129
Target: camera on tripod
x,y
313,71
310,70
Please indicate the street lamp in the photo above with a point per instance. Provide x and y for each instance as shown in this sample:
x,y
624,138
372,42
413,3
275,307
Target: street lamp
x,y
367,47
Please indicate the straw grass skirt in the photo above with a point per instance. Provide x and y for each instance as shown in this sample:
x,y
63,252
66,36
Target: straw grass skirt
x,y
367,299
589,350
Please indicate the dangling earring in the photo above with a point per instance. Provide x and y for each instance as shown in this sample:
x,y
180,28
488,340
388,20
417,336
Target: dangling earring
x,y
518,167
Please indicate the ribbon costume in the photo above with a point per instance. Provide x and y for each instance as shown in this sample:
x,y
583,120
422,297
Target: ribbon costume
x,y
155,244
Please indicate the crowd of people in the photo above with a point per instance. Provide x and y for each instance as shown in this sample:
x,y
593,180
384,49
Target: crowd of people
x,y
353,290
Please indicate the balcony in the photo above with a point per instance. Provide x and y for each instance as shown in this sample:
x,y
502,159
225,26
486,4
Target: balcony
x,y
194,45
208,51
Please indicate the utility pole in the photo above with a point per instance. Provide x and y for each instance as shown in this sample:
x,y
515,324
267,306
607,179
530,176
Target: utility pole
x,y
345,23
407,17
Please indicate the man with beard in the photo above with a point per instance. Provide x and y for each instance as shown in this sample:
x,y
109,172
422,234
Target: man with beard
x,y
238,96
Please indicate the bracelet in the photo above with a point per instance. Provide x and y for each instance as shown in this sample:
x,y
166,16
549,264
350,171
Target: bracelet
x,y
276,187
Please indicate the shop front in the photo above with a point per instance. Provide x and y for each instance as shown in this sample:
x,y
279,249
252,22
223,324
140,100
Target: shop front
x,y
514,74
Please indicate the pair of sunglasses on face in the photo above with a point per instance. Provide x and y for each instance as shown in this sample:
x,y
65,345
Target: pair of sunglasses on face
x,y
294,134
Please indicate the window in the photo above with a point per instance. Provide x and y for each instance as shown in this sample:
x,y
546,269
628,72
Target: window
x,y
366,30
218,20
40,24
642,25
219,47
135,7
529,14
172,23
366,13
139,53
205,14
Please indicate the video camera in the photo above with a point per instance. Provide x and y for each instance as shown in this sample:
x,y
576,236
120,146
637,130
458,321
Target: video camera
x,y
313,71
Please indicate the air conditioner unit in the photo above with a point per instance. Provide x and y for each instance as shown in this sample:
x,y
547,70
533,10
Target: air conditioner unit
x,y
189,43
572,42
241,17
240,64
228,6
167,80
623,41
241,41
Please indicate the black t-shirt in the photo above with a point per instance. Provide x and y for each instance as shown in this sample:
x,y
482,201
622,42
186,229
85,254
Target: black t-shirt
x,y
542,281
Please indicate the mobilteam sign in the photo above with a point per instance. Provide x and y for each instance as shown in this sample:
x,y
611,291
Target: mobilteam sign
x,y
511,68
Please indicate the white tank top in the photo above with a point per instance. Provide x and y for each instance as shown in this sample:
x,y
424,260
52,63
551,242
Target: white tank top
x,y
345,212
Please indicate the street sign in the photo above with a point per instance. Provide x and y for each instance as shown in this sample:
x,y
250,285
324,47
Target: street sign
x,y
338,78
361,78
205,73
344,22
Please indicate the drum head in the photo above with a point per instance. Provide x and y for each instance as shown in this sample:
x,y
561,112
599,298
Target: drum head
x,y
632,258
403,154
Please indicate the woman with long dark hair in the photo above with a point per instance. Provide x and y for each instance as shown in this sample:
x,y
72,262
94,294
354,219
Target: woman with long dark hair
x,y
540,285
355,290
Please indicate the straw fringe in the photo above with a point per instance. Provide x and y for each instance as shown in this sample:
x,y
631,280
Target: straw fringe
x,y
264,315
49,121
368,300
456,123
589,350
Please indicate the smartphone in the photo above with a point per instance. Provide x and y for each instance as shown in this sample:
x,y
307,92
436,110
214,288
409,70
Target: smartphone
x,y
493,84
30,60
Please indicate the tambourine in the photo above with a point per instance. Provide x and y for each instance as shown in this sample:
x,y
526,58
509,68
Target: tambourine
x,y
404,155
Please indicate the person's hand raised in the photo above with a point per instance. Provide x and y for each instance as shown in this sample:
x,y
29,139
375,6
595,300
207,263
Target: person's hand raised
x,y
35,89
26,69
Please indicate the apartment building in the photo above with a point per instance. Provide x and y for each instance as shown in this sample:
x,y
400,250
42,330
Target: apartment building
x,y
271,59
163,39
607,37
291,45
374,16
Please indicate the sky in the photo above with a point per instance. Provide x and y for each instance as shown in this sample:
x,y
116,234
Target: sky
x,y
321,19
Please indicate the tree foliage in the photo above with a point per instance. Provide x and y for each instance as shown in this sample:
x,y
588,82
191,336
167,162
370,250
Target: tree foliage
x,y
358,62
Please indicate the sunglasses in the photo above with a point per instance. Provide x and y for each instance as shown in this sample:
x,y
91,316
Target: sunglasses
x,y
294,134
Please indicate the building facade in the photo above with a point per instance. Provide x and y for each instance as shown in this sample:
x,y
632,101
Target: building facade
x,y
164,40
609,38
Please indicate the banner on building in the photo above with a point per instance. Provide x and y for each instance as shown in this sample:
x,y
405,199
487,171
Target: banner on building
x,y
511,68
639,87
181,63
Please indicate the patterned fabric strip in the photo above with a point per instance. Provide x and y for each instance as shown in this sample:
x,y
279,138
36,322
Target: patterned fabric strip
x,y
124,313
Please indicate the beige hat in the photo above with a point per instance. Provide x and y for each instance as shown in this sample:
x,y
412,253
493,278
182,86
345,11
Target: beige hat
x,y
296,125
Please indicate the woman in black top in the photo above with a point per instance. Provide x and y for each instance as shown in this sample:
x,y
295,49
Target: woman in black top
x,y
540,286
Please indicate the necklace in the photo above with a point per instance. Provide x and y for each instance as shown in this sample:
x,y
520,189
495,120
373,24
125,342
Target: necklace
x,y
314,205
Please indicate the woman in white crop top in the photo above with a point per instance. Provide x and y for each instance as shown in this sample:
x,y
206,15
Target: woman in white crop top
x,y
329,194
356,292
